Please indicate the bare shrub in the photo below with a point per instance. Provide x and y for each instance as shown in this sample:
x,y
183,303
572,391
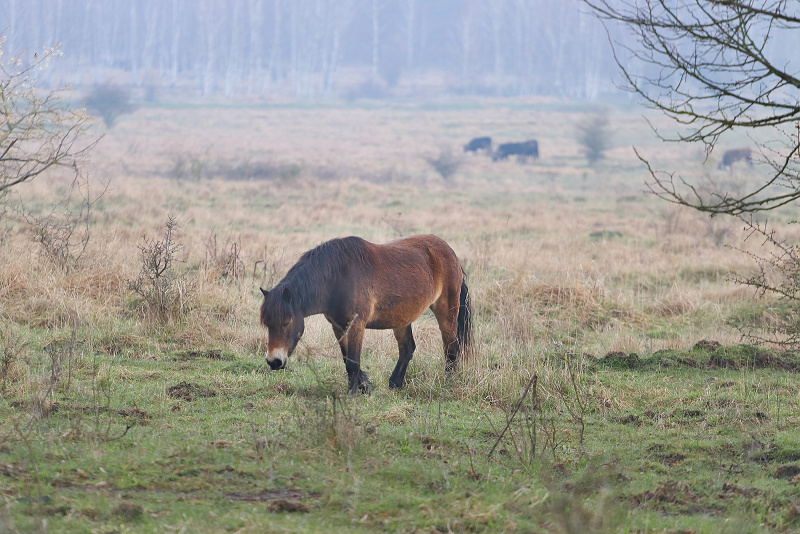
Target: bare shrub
x,y
243,170
41,130
779,275
326,416
64,233
446,163
12,346
196,166
163,294
548,416
109,101
187,165
289,171
225,258
594,137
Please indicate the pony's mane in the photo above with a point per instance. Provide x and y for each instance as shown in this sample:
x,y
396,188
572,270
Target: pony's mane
x,y
317,268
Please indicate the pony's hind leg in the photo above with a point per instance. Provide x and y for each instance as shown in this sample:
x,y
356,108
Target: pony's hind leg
x,y
406,345
446,312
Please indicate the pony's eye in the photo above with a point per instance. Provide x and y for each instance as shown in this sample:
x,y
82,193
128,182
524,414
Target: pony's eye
x,y
287,322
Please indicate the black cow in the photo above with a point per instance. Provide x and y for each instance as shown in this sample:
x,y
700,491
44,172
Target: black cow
x,y
729,157
479,143
523,150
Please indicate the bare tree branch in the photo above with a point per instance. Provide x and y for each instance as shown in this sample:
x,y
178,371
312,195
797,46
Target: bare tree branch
x,y
713,67
39,131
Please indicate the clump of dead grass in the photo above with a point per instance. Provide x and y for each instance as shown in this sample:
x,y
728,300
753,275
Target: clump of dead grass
x,y
526,309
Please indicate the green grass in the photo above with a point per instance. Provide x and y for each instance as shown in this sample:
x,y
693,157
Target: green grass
x,y
639,420
212,441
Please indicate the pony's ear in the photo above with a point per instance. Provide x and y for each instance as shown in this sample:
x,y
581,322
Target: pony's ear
x,y
287,295
264,292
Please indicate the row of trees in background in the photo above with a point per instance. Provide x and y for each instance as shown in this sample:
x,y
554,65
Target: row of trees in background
x,y
321,47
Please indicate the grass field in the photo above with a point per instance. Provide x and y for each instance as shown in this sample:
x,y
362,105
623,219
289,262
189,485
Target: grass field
x,y
610,389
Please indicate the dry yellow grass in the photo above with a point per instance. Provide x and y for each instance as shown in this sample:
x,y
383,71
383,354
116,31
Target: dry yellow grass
x,y
560,256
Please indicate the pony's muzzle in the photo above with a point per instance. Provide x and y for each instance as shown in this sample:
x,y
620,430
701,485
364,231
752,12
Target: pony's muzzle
x,y
275,365
277,359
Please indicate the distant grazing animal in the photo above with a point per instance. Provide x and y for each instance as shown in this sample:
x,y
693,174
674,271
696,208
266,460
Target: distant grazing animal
x,y
729,157
523,150
479,143
357,285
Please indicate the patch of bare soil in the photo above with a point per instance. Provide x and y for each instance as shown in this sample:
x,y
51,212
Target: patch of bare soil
x,y
646,418
630,419
707,345
664,455
129,511
732,490
688,414
788,472
189,392
719,357
279,500
210,354
760,360
12,470
671,459
670,492
284,505
672,496
140,416
99,486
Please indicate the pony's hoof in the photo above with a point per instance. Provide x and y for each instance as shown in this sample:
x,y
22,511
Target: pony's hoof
x,y
394,385
366,387
362,385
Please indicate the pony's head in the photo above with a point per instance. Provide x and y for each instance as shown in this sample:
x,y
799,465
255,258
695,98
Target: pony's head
x,y
285,323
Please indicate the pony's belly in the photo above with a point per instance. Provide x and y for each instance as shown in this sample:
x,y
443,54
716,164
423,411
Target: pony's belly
x,y
395,318
381,324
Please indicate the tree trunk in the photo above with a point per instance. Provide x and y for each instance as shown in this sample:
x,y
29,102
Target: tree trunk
x,y
411,11
274,68
376,41
175,45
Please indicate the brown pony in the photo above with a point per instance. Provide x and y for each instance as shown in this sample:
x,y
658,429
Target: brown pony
x,y
359,285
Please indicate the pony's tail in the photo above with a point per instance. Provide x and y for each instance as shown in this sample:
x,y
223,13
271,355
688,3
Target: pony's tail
x,y
464,331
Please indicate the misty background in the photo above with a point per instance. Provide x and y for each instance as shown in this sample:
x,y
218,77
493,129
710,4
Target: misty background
x,y
321,48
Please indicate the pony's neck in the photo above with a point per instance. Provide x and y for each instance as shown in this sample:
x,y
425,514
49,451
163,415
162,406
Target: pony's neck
x,y
311,296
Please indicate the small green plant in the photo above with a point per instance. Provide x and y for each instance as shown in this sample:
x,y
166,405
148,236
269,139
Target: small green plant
x,y
163,294
109,102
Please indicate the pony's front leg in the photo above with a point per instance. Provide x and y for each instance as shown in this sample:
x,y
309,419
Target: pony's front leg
x,y
357,378
406,346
